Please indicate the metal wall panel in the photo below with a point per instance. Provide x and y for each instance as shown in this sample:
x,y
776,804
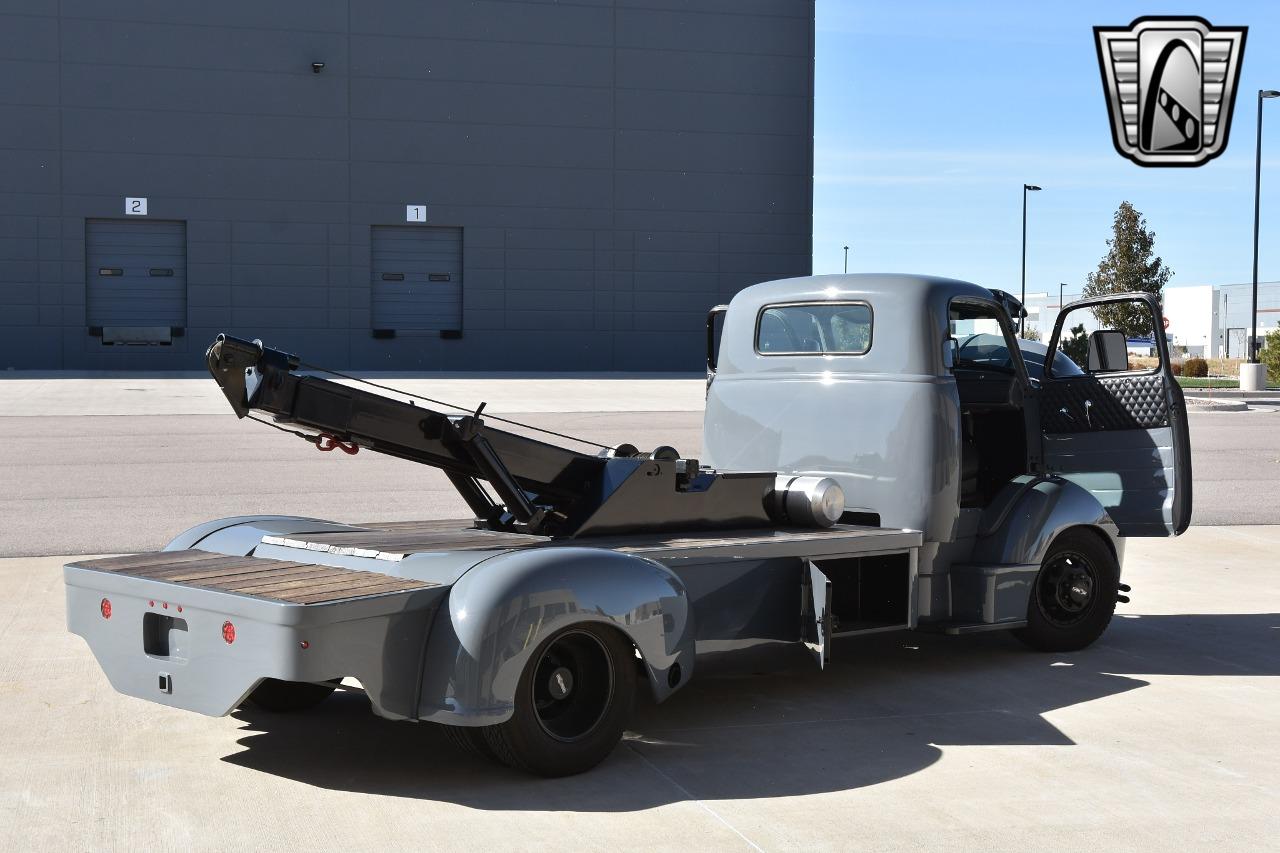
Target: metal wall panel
x,y
618,166
417,277
135,273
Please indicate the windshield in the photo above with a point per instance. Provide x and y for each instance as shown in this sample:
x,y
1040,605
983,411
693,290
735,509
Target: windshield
x,y
987,350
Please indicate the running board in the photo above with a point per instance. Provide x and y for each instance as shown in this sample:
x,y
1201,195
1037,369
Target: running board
x,y
972,629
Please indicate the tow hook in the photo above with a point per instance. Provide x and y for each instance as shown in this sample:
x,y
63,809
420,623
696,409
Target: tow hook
x,y
1121,597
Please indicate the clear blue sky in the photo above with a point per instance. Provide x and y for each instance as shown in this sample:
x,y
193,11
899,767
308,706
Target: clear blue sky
x,y
929,117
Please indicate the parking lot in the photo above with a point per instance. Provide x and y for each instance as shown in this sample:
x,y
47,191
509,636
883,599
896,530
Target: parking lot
x,y
1162,735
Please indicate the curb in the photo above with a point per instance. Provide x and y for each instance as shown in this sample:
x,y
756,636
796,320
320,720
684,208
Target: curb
x,y
1206,404
1229,393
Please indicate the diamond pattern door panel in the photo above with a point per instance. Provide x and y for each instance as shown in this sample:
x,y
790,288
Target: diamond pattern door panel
x,y
1102,403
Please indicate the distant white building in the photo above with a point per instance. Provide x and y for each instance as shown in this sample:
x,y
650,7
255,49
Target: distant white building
x,y
1193,319
1210,321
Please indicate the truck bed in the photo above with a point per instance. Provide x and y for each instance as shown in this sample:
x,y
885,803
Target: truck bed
x,y
396,540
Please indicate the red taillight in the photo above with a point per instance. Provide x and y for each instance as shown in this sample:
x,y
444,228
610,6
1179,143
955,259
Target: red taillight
x,y
105,607
228,632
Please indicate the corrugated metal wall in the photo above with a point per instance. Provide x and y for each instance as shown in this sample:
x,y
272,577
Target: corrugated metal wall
x,y
617,167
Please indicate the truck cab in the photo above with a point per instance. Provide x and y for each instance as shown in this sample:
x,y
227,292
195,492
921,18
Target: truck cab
x,y
918,397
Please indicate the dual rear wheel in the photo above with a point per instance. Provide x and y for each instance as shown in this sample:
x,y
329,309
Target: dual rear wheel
x,y
571,705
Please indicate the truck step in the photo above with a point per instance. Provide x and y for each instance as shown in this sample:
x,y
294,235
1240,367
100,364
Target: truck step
x,y
260,577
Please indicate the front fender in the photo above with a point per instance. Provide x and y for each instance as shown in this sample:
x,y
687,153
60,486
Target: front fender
x,y
1026,516
501,610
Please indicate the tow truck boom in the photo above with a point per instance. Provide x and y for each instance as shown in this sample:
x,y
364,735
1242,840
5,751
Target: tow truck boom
x,y
540,488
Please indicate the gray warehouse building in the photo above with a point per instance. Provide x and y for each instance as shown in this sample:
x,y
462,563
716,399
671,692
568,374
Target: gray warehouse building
x,y
397,184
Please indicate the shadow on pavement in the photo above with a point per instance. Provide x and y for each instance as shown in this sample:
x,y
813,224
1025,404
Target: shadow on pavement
x,y
879,713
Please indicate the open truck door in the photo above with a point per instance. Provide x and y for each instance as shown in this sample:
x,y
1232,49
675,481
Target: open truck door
x,y
1112,426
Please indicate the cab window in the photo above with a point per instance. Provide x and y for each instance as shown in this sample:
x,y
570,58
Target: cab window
x,y
824,328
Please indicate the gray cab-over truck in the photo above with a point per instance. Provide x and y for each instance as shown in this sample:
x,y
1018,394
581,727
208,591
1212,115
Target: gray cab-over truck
x,y
871,463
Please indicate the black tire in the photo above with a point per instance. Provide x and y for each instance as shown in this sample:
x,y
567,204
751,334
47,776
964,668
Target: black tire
x,y
284,697
470,739
572,703
1074,595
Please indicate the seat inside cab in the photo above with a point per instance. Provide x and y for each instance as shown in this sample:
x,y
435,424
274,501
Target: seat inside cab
x,y
993,426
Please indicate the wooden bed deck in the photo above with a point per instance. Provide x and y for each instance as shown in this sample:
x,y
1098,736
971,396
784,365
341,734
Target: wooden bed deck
x,y
278,580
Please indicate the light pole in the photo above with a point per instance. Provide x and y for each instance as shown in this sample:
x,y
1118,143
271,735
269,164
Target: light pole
x,y
1253,376
846,259
1022,323
1257,191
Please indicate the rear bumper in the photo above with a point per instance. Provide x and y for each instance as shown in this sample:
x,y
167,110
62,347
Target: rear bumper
x,y
181,658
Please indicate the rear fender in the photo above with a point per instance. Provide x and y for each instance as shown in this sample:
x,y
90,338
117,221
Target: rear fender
x,y
499,612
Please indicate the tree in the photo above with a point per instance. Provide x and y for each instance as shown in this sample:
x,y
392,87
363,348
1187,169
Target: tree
x,y
1270,356
1076,347
1130,264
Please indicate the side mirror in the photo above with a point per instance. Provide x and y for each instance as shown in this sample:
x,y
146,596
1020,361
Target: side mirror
x,y
950,353
1108,351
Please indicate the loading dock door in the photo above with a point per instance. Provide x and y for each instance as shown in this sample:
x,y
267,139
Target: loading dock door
x,y
417,278
136,278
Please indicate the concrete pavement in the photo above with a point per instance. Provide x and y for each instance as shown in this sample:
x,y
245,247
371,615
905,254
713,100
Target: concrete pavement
x,y
1160,737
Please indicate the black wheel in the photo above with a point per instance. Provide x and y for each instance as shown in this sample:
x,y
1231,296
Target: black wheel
x,y
284,697
1074,594
469,739
572,703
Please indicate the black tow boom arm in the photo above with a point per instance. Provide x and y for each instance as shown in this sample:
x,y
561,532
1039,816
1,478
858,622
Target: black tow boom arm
x,y
537,487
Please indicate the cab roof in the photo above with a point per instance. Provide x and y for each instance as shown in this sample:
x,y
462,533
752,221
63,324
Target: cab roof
x,y
909,322
899,288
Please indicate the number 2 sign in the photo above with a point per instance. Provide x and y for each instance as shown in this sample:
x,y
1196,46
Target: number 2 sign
x,y
135,206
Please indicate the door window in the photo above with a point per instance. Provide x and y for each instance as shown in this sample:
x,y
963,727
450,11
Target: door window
x,y
1109,338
